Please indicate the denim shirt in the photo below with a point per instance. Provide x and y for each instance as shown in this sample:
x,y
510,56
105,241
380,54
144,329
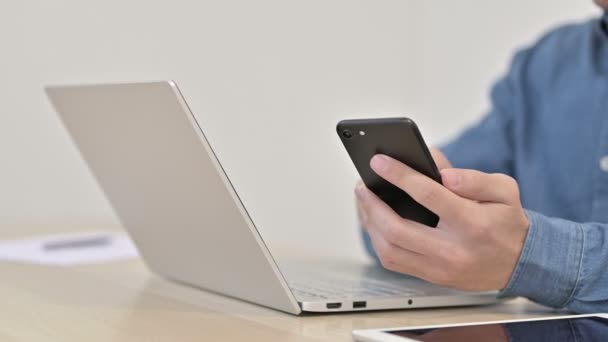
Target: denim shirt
x,y
548,128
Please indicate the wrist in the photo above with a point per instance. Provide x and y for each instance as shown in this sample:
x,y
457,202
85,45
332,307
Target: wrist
x,y
549,264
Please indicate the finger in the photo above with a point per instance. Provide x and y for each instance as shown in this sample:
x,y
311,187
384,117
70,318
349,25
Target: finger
x,y
383,220
440,159
482,187
429,193
361,214
397,259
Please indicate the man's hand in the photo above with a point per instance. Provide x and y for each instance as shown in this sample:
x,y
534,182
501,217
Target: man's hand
x,y
440,160
480,234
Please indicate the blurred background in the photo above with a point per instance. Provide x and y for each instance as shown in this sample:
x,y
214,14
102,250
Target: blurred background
x,y
267,79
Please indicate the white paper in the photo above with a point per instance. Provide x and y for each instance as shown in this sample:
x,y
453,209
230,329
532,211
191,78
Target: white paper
x,y
69,249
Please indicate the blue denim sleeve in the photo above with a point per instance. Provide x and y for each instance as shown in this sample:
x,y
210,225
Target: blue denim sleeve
x,y
488,145
367,243
562,264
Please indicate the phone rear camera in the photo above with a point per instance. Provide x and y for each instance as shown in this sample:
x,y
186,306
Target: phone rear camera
x,y
347,134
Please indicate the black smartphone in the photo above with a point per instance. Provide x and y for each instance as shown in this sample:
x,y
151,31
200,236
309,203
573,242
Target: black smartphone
x,y
400,139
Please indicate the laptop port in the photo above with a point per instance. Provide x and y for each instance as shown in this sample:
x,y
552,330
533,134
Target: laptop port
x,y
334,305
359,305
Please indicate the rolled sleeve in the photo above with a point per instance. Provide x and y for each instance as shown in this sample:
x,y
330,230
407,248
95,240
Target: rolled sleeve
x,y
550,262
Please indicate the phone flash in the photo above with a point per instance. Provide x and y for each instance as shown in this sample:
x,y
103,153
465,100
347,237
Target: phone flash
x,y
361,133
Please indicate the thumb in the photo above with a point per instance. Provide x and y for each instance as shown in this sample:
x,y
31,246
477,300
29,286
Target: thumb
x,y
481,187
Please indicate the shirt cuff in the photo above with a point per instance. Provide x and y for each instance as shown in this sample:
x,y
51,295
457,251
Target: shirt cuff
x,y
549,265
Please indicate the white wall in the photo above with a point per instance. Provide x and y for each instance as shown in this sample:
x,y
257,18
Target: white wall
x,y
465,45
268,80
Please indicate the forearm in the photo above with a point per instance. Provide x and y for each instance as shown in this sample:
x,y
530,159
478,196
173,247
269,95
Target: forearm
x,y
563,265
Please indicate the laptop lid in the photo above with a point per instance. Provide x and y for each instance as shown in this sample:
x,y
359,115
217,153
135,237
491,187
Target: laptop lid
x,y
156,168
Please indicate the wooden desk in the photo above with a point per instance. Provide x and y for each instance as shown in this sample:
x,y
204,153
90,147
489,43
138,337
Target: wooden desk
x,y
123,301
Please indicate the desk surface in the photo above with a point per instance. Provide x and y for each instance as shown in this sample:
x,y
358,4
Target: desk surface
x,y
123,301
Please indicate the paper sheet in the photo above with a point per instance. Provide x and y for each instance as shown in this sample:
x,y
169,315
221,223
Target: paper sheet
x,y
69,249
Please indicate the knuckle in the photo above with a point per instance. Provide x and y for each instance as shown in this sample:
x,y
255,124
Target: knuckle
x,y
390,265
479,227
384,250
482,227
477,233
466,215
465,218
471,180
392,233
514,187
509,182
427,195
425,273
388,256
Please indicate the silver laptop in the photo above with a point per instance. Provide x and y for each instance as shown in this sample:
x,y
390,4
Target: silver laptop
x,y
155,166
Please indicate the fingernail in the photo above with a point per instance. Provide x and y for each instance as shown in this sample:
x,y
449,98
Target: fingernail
x,y
379,163
451,177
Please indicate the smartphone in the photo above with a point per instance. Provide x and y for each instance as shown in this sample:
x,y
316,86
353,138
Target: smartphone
x,y
400,139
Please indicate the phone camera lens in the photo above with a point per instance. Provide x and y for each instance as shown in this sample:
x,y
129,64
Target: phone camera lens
x,y
347,134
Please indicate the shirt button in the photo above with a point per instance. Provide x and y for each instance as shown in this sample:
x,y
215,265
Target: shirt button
x,y
604,163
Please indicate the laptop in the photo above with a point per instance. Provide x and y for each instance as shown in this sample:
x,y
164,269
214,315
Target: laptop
x,y
150,156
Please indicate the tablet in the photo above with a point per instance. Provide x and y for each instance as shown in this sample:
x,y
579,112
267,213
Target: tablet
x,y
578,328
